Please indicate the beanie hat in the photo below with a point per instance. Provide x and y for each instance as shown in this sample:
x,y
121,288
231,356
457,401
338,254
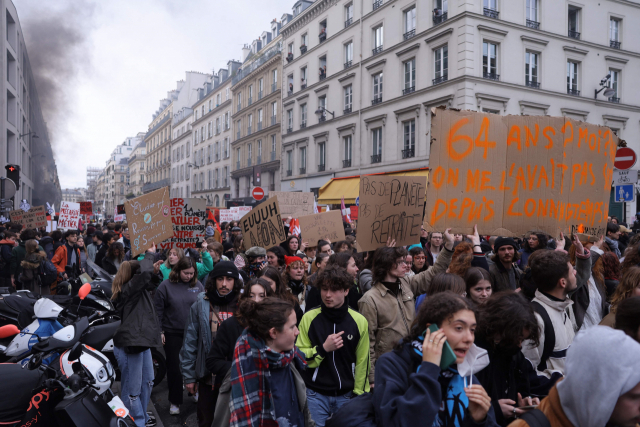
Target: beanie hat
x,y
504,241
288,260
224,268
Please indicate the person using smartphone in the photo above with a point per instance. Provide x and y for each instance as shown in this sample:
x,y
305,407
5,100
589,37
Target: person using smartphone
x,y
414,387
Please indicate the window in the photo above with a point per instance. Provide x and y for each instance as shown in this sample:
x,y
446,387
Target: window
x,y
531,69
572,78
289,120
289,163
490,4
260,118
249,153
303,115
250,122
273,146
348,98
209,129
202,135
409,76
303,77
274,110
188,149
250,94
614,82
260,88
218,97
441,64
410,23
378,39
376,139
348,14
614,33
303,159
347,142
239,100
532,14
322,105
259,150
274,76
238,156
227,93
290,49
377,87
574,22
409,138
321,154
304,40
348,55
489,61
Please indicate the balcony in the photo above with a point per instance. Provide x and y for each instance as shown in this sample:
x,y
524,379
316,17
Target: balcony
x,y
238,165
376,158
303,49
303,171
348,64
346,163
322,37
303,85
249,130
491,13
249,162
322,118
376,100
323,76
377,4
259,160
376,50
348,22
289,130
259,126
289,172
533,84
614,100
491,76
303,125
250,101
274,86
289,57
321,167
408,153
408,90
289,93
347,110
574,92
409,34
574,34
440,79
273,120
439,19
533,24
273,156
259,95
614,44
238,135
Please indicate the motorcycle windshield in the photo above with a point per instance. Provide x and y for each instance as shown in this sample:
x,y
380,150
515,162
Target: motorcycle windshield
x,y
101,273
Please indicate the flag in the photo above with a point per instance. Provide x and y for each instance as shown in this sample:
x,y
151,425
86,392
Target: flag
x,y
294,227
213,218
345,212
315,207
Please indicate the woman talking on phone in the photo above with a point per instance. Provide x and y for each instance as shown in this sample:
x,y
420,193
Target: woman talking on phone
x,y
428,378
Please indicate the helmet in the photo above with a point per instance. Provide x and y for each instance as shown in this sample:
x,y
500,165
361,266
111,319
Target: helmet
x,y
96,362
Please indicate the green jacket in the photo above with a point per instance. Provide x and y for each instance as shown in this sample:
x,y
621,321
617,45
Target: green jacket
x,y
204,267
18,253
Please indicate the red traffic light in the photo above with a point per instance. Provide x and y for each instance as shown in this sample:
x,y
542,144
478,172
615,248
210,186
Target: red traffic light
x,y
12,168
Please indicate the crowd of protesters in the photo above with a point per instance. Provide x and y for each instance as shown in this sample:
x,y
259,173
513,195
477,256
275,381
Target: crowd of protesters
x,y
455,330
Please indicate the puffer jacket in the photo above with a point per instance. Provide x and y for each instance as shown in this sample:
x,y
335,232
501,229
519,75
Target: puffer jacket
x,y
30,268
389,316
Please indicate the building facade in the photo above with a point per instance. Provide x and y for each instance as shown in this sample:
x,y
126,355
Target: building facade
x,y
74,195
136,164
25,139
368,74
181,153
116,174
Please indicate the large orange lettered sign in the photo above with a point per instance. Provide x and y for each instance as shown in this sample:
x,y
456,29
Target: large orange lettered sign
x,y
512,174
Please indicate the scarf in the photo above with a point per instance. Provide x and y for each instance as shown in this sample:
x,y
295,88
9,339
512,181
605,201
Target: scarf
x,y
393,287
251,402
335,315
220,300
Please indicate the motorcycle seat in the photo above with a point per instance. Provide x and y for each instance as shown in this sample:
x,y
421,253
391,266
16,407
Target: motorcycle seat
x,y
14,399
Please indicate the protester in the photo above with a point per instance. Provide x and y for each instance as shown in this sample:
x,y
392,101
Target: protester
x,y
419,259
536,241
411,388
176,254
590,300
215,250
115,255
294,246
6,247
346,261
95,246
18,253
324,247
256,261
107,239
206,316
172,301
84,255
56,236
629,287
335,341
613,234
138,332
30,275
628,317
601,387
611,271
433,247
295,277
504,270
275,258
47,244
478,285
238,247
319,263
68,254
342,246
125,239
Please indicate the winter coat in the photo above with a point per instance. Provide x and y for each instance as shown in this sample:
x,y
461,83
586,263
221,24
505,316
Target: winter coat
x,y
109,265
92,249
61,257
501,277
173,302
6,246
47,243
581,296
139,327
18,253
29,277
389,316
552,409
198,338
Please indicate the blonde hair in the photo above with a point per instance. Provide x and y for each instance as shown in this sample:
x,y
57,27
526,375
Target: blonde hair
x,y
179,252
125,273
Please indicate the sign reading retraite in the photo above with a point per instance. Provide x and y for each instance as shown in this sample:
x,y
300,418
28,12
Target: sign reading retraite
x,y
149,220
263,225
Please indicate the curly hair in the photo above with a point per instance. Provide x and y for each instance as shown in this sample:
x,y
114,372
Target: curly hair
x,y
611,265
111,252
435,310
384,260
335,278
629,282
287,277
631,259
505,317
461,264
543,239
261,317
446,282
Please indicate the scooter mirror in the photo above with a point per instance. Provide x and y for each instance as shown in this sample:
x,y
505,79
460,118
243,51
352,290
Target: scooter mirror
x,y
75,352
35,362
9,331
84,291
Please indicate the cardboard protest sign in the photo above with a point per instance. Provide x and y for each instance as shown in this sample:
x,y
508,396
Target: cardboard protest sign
x,y
188,217
390,207
325,226
226,215
35,217
149,219
514,174
86,208
69,216
294,204
263,225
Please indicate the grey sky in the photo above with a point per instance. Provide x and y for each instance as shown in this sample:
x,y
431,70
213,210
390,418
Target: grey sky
x,y
104,64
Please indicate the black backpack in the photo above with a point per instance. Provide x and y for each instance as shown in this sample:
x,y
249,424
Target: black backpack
x,y
549,335
48,273
536,418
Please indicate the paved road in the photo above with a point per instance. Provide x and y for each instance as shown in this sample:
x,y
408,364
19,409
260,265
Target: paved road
x,y
187,417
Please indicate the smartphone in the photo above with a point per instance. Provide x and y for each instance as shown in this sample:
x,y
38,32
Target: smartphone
x,y
448,356
526,408
198,245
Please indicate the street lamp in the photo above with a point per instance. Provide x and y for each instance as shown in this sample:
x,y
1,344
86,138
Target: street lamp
x,y
608,92
320,112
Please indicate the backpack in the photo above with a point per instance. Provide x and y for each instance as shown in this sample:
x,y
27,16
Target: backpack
x,y
48,248
48,272
549,338
536,418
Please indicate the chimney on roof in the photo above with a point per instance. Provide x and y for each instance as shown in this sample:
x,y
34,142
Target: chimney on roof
x,y
245,52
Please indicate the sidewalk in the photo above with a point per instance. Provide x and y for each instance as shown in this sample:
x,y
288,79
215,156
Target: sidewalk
x,y
151,407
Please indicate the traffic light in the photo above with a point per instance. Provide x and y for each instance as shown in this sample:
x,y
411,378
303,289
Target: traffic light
x,y
13,173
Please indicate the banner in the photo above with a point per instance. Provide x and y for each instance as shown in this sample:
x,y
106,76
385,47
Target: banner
x,y
391,207
226,215
188,217
263,225
239,211
149,220
515,174
294,204
35,217
69,216
322,226
86,208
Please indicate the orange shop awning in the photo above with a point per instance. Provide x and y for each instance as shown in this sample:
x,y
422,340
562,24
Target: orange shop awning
x,y
349,186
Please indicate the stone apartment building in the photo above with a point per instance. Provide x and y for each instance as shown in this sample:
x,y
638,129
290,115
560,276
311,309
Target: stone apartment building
x,y
137,169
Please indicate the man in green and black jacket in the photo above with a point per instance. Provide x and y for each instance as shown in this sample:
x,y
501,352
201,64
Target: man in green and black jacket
x,y
335,341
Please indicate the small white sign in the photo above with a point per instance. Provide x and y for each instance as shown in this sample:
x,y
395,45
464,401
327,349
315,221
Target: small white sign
x,y
625,177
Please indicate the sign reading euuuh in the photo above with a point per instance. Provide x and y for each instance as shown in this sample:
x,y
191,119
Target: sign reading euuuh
x,y
512,174
188,218
69,216
149,220
263,225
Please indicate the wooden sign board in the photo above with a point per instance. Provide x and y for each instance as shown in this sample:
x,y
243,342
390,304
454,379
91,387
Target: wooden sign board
x,y
69,216
294,204
513,174
263,225
149,220
391,207
188,217
35,217
322,226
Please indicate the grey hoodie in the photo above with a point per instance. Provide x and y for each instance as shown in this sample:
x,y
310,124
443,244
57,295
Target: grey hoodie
x,y
602,365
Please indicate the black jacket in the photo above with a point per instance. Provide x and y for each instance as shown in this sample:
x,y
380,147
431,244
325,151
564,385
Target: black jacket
x,y
47,244
5,253
313,299
220,356
139,326
109,265
102,252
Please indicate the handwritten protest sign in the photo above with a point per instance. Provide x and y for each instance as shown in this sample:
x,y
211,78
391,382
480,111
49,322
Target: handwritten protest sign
x,y
35,217
69,216
325,226
513,174
390,207
294,204
263,225
188,218
149,219
226,215
86,208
